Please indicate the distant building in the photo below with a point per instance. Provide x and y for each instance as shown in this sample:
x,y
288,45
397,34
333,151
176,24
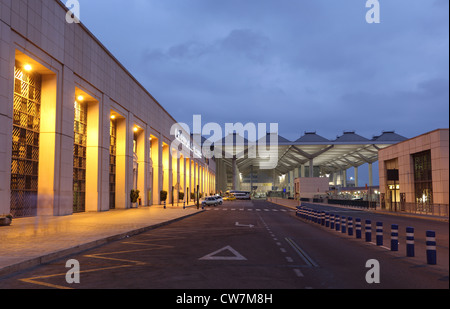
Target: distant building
x,y
414,174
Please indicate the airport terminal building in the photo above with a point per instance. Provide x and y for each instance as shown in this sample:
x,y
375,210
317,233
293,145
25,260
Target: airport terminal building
x,y
78,132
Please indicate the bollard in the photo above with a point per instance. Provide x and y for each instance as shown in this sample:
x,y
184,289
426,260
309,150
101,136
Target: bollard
x,y
350,226
343,225
410,241
358,228
164,204
337,222
431,247
394,237
379,233
332,221
327,219
323,217
368,231
184,205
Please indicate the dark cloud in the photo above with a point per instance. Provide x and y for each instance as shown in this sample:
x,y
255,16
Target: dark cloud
x,y
306,64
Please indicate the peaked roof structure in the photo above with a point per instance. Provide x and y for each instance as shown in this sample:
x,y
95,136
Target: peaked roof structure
x,y
311,137
347,150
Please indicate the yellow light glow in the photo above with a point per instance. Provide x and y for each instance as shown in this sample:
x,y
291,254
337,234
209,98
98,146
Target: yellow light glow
x,y
135,129
113,117
27,67
80,98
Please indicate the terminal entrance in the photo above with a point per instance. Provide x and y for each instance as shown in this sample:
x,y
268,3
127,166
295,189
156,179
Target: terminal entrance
x,y
25,142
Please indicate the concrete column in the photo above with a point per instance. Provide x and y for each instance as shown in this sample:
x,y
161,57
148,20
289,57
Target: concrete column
x,y
188,180
235,176
344,178
311,168
302,170
335,178
291,182
170,175
355,168
370,175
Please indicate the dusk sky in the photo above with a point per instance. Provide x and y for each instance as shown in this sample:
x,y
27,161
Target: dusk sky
x,y
308,65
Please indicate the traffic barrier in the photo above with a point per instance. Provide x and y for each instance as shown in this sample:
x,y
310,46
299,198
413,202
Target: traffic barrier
x,y
379,233
358,228
337,223
327,219
332,221
410,241
431,247
323,218
368,231
350,226
394,237
343,225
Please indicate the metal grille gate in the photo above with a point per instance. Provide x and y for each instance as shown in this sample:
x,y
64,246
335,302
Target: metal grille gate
x,y
79,157
25,143
112,164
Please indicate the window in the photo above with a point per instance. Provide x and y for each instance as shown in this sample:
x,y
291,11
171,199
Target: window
x,y
423,185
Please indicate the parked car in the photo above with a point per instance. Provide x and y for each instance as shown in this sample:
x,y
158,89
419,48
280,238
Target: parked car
x,y
229,198
219,199
210,200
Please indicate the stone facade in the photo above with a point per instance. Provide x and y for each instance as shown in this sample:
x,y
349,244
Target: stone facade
x,y
74,66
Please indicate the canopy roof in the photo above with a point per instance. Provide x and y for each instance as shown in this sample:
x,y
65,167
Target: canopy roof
x,y
347,150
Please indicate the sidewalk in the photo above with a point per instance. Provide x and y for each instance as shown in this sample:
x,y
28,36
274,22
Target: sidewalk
x,y
28,242
293,204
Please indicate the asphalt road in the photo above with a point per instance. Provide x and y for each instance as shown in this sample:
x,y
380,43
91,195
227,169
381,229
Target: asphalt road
x,y
240,245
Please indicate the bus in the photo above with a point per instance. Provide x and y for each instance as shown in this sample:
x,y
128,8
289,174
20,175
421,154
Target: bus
x,y
239,195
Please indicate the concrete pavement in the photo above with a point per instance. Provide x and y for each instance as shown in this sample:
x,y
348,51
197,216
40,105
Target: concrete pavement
x,y
29,242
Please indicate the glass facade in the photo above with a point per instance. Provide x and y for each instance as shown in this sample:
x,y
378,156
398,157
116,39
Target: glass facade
x,y
423,185
25,143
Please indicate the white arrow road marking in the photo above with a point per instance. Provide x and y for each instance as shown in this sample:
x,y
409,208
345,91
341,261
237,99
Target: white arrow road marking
x,y
246,225
212,256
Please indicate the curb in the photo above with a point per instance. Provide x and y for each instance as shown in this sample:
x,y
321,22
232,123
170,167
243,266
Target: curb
x,y
50,257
